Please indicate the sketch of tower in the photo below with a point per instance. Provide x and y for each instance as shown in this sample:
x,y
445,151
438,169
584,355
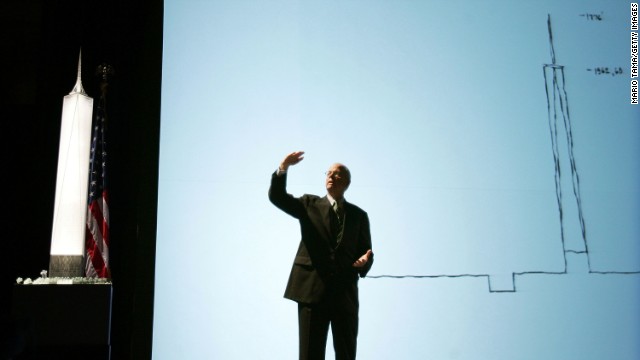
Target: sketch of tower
x,y
572,225
573,232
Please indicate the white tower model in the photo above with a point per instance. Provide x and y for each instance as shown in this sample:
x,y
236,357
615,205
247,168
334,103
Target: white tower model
x,y
70,211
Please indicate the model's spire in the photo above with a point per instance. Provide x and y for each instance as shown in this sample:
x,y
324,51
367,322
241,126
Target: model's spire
x,y
78,89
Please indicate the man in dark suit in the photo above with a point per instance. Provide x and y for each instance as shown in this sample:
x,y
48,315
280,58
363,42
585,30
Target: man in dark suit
x,y
334,252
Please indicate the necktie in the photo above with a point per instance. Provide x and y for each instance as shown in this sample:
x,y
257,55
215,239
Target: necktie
x,y
339,216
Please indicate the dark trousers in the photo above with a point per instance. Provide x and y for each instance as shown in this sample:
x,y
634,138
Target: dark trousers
x,y
340,310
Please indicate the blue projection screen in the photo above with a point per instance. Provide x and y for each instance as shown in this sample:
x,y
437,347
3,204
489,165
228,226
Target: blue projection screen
x,y
493,144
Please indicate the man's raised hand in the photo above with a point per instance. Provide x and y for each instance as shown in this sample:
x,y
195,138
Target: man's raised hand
x,y
291,159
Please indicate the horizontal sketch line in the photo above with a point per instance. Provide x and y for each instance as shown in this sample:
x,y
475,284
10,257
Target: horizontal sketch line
x,y
425,276
576,251
614,272
492,290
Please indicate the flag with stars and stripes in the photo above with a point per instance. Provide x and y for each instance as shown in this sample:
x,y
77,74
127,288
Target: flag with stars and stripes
x,y
97,237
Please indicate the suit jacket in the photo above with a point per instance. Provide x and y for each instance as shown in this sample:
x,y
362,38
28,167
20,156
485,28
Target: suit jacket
x,y
319,266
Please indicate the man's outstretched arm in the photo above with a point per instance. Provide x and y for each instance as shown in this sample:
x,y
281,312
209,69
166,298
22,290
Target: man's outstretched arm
x,y
278,190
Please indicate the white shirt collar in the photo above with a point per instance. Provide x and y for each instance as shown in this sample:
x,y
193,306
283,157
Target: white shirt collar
x,y
332,200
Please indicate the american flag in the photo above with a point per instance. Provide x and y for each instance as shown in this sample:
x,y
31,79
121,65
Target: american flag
x,y
97,237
